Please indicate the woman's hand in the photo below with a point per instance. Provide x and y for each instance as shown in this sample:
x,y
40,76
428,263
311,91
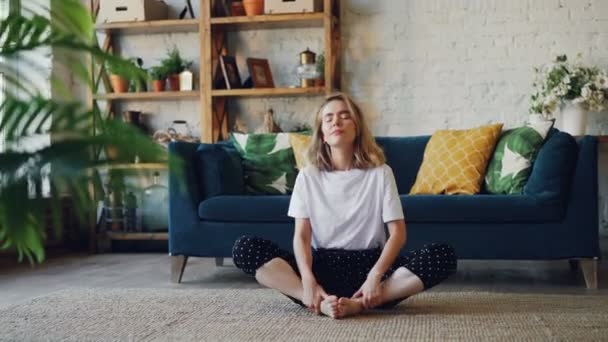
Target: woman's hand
x,y
313,294
370,292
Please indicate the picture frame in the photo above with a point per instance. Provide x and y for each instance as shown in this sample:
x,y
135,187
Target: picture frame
x,y
230,72
259,69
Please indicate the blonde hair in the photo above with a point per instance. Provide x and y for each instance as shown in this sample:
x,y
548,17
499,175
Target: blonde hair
x,y
367,154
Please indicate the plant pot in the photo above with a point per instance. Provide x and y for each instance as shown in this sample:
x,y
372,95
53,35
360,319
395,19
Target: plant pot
x,y
158,85
173,82
574,119
320,82
119,84
253,7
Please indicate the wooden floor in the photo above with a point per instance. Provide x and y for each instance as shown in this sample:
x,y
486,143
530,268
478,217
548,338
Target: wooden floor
x,y
20,282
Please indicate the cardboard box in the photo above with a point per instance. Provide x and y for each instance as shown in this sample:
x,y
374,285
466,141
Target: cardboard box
x,y
111,11
292,6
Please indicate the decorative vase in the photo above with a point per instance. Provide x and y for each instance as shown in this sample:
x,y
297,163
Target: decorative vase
x,y
119,84
158,85
155,210
174,82
186,80
254,7
574,119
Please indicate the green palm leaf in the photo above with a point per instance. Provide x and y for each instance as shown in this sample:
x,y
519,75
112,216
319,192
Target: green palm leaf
x,y
75,153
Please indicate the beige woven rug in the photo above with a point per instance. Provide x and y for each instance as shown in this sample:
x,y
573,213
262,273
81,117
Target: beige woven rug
x,y
263,315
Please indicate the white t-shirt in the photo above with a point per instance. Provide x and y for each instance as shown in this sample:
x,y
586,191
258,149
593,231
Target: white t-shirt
x,y
347,209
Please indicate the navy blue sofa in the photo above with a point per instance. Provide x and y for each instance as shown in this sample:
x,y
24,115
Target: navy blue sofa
x,y
556,217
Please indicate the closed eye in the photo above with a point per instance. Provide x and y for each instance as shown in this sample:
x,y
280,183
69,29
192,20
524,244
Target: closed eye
x,y
344,115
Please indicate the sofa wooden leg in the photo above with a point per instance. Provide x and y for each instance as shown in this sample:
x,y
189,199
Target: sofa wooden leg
x,y
590,270
219,261
178,264
574,265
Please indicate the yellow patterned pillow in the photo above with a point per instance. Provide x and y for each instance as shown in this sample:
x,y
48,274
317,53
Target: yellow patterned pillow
x,y
455,161
299,144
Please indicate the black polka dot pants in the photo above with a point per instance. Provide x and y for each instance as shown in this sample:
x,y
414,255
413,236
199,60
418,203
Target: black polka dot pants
x,y
342,272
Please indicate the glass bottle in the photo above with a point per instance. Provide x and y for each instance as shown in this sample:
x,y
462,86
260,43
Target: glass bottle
x,y
155,206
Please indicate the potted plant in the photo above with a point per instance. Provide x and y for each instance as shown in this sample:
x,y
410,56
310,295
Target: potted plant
x,y
158,75
253,7
173,65
139,79
320,64
119,76
575,88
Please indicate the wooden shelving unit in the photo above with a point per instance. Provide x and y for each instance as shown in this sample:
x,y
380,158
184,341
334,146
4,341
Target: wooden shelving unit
x,y
211,31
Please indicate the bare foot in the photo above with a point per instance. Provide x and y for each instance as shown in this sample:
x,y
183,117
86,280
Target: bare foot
x,y
349,307
329,307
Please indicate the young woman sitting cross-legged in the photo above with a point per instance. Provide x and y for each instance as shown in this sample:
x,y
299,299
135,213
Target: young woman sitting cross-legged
x,y
343,262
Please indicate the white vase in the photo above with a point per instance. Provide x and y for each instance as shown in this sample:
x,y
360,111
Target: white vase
x,y
186,80
574,119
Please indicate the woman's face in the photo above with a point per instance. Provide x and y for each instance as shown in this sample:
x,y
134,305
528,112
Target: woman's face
x,y
338,126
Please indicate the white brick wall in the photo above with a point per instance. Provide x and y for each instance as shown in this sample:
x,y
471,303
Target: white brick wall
x,y
453,64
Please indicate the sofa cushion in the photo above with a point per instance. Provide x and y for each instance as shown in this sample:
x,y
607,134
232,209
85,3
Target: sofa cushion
x,y
404,156
515,153
299,143
245,209
479,208
552,172
455,161
219,166
268,162
418,208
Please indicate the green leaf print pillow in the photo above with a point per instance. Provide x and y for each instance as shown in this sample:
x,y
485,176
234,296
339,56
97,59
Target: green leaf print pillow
x,y
268,162
511,164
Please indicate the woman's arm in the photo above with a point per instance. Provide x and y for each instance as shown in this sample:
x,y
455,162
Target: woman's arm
x,y
370,291
313,293
301,247
391,249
